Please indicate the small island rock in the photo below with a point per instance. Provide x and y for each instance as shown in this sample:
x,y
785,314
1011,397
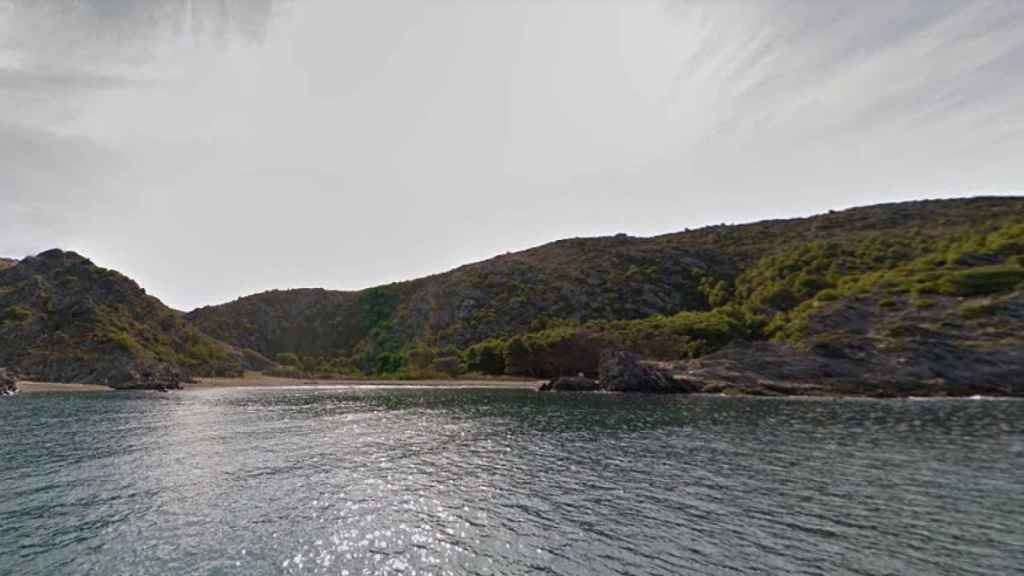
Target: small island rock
x,y
8,383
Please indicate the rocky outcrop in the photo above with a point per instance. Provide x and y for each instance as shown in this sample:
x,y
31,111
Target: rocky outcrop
x,y
8,383
571,384
148,377
624,372
881,348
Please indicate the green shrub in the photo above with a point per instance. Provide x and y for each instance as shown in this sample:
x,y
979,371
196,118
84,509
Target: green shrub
x,y
389,363
922,303
974,310
981,281
125,342
487,357
15,314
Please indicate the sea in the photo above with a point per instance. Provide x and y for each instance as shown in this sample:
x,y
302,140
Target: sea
x,y
432,481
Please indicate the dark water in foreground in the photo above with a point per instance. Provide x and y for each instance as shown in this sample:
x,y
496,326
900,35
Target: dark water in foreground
x,y
386,481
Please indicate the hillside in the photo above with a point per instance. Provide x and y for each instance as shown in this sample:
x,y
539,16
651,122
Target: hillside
x,y
551,309
63,319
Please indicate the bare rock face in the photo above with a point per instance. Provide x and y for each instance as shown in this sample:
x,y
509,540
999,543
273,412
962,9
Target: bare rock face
x,y
571,384
8,383
624,372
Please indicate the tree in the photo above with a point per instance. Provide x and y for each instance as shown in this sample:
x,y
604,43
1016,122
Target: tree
x,y
388,363
421,357
487,357
518,359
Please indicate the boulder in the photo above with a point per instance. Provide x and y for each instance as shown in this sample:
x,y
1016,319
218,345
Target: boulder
x,y
8,383
146,376
624,372
571,384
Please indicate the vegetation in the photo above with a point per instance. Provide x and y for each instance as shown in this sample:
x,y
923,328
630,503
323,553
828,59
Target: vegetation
x,y
64,319
553,309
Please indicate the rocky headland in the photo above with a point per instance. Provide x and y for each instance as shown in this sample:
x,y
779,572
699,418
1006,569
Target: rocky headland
x,y
64,319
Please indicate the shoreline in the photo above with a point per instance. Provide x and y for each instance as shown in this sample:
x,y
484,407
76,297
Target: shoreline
x,y
261,381
30,387
272,382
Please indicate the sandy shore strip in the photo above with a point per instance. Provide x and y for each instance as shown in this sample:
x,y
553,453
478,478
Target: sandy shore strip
x,y
261,381
33,387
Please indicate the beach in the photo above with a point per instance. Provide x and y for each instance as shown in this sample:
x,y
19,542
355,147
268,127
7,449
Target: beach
x,y
257,380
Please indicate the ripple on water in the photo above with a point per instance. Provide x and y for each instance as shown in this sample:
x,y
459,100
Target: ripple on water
x,y
390,481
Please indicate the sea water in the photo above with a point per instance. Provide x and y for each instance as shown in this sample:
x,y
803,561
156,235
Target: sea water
x,y
439,481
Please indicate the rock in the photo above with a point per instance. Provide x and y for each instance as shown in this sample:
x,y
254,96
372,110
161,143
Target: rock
x,y
146,376
8,383
571,384
624,372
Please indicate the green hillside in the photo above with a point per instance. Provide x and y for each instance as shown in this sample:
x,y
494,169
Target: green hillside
x,y
552,309
63,319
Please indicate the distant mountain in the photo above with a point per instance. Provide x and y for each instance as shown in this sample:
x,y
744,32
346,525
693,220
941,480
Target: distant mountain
x,y
63,319
7,263
669,297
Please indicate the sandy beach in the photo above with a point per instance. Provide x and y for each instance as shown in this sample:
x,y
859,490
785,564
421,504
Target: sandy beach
x,y
256,380
33,387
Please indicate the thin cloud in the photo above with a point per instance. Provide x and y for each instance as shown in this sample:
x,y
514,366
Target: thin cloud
x,y
214,148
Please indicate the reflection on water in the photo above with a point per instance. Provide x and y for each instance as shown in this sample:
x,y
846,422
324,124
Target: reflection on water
x,y
392,481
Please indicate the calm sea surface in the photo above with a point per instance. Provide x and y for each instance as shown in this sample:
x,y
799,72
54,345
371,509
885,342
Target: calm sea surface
x,y
413,481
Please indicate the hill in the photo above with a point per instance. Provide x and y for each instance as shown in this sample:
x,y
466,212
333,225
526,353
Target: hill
x,y
552,309
63,319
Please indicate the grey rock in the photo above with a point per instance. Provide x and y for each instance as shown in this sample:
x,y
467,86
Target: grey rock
x,y
8,383
571,384
624,372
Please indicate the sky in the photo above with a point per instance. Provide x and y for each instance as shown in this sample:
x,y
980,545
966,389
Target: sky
x,y
215,148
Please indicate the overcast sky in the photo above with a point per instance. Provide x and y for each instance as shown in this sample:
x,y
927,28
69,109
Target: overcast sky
x,y
215,148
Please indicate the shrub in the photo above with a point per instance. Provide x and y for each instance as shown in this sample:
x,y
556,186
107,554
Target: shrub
x,y
450,366
487,357
15,314
125,342
388,363
518,359
974,310
981,281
